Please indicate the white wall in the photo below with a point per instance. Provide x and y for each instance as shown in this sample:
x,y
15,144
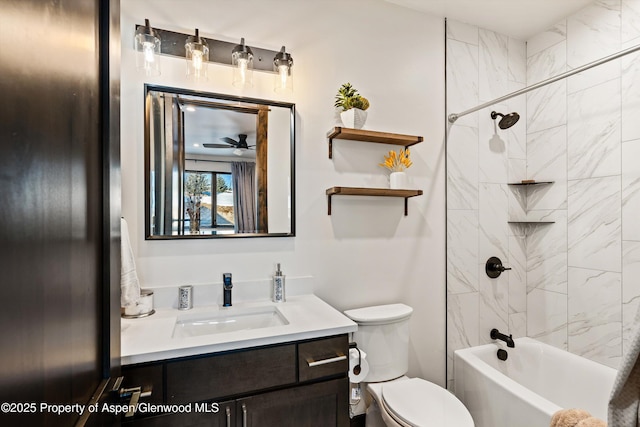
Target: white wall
x,y
367,251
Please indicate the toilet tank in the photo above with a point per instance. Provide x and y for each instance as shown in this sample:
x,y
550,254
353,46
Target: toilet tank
x,y
383,334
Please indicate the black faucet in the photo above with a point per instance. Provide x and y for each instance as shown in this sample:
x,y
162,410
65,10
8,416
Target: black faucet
x,y
227,285
496,335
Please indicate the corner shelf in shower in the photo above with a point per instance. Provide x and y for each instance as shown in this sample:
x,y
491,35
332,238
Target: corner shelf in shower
x,y
531,222
359,191
338,132
528,183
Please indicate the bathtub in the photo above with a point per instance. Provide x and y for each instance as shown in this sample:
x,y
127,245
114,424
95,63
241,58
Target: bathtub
x,y
534,382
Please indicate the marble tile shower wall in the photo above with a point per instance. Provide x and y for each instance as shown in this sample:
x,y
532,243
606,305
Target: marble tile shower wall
x,y
483,65
583,133
575,283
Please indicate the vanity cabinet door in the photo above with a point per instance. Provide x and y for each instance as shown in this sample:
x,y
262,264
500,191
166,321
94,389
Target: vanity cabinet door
x,y
322,404
224,417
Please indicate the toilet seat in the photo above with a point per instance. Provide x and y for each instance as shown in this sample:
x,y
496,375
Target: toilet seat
x,y
415,402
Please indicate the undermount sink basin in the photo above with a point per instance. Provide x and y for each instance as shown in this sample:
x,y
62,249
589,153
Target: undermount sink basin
x,y
227,320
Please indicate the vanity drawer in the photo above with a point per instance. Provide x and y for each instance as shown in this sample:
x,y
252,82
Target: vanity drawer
x,y
323,358
230,374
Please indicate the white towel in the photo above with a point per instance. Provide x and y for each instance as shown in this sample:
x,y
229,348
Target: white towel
x,y
624,405
129,283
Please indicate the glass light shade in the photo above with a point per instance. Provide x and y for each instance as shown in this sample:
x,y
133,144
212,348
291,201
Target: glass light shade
x,y
242,62
147,45
197,55
282,65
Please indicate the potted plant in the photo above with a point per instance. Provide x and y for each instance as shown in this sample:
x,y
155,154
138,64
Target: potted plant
x,y
352,106
397,163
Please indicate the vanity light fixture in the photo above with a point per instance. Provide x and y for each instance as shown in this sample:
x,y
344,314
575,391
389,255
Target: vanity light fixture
x,y
282,64
200,51
148,46
242,62
197,55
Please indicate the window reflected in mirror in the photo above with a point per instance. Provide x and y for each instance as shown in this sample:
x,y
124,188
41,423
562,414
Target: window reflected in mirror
x,y
208,210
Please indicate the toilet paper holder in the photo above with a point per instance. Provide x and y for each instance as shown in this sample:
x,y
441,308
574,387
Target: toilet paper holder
x,y
357,368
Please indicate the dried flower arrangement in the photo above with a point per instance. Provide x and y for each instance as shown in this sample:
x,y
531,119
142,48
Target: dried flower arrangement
x,y
397,162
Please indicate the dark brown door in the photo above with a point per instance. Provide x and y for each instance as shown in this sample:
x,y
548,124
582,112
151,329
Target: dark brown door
x,y
58,228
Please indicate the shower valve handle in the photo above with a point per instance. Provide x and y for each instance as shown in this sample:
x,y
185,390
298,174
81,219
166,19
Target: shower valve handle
x,y
494,267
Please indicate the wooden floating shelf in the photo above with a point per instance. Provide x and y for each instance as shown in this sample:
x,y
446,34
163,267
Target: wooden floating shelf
x,y
371,136
359,191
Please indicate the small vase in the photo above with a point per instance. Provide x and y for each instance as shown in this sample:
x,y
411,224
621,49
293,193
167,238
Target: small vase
x,y
353,118
398,181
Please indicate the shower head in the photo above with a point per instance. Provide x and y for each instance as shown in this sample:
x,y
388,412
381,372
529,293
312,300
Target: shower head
x,y
507,120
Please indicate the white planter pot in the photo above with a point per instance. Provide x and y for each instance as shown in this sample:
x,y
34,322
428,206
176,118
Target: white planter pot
x,y
353,118
398,181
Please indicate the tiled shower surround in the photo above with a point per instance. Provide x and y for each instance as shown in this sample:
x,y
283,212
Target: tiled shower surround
x,y
574,283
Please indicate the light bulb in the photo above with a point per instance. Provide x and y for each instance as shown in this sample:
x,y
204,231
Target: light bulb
x,y
283,72
242,67
196,58
149,56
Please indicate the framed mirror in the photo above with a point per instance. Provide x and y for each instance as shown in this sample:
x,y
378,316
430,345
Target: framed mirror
x,y
217,166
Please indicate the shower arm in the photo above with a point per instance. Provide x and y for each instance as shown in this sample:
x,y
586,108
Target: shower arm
x,y
455,116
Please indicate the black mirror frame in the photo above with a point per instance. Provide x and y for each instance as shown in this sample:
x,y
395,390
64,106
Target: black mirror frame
x,y
225,97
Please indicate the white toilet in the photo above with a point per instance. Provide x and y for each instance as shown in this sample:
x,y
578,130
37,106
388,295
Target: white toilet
x,y
383,334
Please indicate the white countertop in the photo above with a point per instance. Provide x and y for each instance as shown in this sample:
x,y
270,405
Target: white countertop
x,y
151,338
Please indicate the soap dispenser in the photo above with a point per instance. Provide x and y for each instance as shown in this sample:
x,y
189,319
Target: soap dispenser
x,y
278,286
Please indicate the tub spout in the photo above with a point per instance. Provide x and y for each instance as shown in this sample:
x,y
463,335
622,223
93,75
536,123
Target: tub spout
x,y
496,335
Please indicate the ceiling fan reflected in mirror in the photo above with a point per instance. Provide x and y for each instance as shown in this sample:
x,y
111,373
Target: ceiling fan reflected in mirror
x,y
240,145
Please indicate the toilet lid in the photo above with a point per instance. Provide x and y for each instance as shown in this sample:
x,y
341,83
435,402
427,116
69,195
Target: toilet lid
x,y
416,402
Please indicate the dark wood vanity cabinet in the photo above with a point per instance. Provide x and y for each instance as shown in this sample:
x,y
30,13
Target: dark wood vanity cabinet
x,y
293,384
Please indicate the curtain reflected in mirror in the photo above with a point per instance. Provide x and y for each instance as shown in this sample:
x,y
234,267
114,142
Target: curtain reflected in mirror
x,y
217,165
243,175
